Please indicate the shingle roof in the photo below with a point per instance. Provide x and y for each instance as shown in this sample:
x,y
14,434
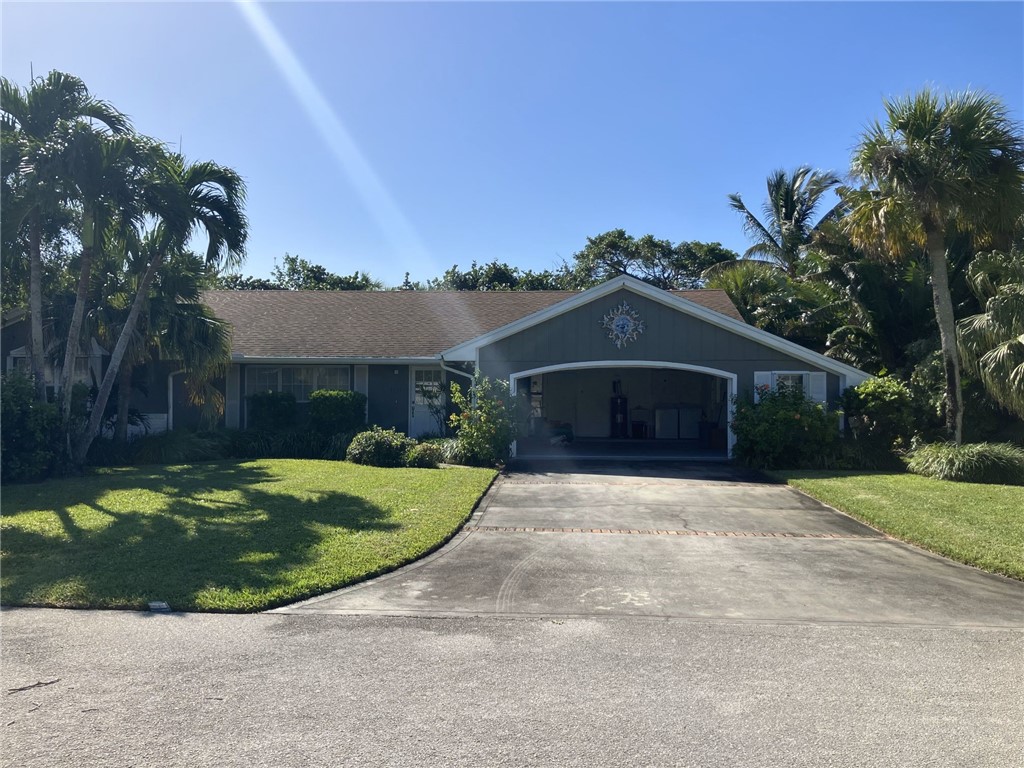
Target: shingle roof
x,y
385,324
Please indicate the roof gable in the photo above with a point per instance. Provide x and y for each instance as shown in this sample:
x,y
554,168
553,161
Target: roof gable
x,y
469,350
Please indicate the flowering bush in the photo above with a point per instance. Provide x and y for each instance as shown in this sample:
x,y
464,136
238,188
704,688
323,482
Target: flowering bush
x,y
784,430
484,421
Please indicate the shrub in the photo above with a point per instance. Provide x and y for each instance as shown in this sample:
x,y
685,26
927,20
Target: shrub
x,y
484,421
336,446
179,446
272,411
880,412
451,450
425,455
379,448
785,430
30,438
1000,463
105,452
333,411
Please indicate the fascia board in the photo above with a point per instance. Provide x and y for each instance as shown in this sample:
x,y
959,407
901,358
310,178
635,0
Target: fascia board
x,y
299,360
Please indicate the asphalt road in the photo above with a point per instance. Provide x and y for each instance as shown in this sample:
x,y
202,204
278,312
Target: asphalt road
x,y
304,690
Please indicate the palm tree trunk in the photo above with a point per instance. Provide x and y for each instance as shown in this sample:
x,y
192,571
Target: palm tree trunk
x,y
35,304
116,357
124,399
947,333
74,340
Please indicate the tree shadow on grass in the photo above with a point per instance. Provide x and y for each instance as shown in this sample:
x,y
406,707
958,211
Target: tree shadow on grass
x,y
260,548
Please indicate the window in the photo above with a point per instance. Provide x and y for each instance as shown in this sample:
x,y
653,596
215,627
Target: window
x,y
792,380
813,383
300,380
428,386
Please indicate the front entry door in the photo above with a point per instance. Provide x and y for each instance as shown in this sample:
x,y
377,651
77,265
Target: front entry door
x,y
426,412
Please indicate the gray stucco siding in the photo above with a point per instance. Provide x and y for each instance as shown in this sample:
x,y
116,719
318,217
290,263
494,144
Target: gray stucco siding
x,y
669,335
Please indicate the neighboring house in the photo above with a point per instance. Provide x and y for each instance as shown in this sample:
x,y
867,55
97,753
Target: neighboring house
x,y
159,394
619,366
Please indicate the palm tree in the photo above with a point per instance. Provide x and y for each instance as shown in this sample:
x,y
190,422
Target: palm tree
x,y
935,168
172,325
185,198
789,216
105,176
884,305
770,299
992,342
29,118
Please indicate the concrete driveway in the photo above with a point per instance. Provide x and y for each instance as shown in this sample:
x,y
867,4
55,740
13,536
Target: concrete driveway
x,y
676,541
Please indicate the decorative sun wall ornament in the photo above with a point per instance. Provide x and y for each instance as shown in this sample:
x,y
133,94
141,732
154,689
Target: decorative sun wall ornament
x,y
623,324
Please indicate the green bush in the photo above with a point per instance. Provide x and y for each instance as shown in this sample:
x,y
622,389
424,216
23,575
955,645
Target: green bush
x,y
785,430
30,434
336,446
179,446
379,448
105,452
333,412
880,413
484,421
425,455
999,463
272,411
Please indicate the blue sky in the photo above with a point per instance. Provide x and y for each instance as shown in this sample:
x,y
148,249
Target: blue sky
x,y
409,137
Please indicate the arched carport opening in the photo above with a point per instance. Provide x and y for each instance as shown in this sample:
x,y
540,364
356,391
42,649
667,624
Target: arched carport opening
x,y
626,409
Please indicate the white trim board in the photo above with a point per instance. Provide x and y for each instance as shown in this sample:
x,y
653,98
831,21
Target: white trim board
x,y
469,351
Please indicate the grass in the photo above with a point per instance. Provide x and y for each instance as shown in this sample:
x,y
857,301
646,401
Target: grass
x,y
225,536
981,525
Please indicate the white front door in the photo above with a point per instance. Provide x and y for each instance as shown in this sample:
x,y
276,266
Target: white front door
x,y
426,412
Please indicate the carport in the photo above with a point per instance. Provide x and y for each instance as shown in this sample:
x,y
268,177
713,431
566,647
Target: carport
x,y
624,409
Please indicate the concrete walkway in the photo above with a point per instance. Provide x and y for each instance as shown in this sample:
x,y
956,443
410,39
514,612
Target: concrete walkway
x,y
677,541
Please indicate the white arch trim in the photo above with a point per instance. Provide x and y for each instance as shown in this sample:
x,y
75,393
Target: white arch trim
x,y
730,379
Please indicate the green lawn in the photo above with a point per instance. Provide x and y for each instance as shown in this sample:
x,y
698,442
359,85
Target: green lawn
x,y
981,525
226,536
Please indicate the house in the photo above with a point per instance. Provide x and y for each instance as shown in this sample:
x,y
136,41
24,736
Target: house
x,y
623,361
620,368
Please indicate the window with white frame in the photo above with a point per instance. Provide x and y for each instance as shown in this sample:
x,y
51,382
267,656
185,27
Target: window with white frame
x,y
813,383
299,380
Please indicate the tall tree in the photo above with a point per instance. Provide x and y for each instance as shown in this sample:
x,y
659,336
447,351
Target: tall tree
x,y
186,198
790,216
173,325
939,166
105,174
29,119
298,274
495,276
647,258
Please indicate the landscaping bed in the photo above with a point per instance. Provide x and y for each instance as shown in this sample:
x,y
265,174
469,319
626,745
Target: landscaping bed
x,y
224,536
981,525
